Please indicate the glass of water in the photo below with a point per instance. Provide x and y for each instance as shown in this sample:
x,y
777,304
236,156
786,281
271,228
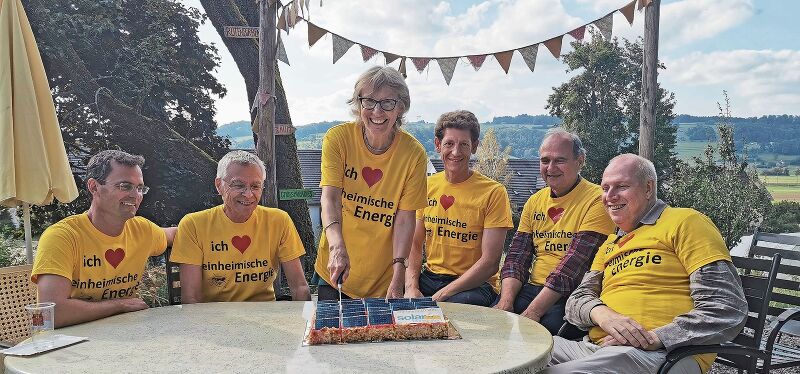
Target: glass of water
x,y
42,321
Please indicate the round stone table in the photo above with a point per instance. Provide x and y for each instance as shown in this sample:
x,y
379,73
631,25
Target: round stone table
x,y
267,337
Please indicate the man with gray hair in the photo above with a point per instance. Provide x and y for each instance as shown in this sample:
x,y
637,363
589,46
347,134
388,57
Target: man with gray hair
x,y
233,252
90,264
561,227
664,280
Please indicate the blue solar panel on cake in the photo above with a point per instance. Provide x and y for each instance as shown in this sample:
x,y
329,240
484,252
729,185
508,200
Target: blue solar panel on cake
x,y
399,306
380,319
323,314
418,299
398,300
425,304
355,321
373,300
354,313
327,322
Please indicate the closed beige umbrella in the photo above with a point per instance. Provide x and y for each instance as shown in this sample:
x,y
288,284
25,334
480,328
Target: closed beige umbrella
x,y
33,163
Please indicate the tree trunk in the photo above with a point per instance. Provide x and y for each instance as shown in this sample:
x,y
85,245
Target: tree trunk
x,y
647,116
245,54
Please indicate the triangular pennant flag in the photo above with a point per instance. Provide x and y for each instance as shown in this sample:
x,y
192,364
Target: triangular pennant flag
x,y
367,53
281,53
448,66
644,3
578,33
340,47
402,68
529,55
605,25
504,58
390,57
627,11
282,21
420,63
292,20
476,61
314,33
554,46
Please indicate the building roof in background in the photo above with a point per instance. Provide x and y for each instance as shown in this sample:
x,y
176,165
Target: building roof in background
x,y
310,162
524,182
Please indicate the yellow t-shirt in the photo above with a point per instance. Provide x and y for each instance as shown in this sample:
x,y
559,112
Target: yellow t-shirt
x,y
239,260
100,267
373,187
455,218
646,272
554,221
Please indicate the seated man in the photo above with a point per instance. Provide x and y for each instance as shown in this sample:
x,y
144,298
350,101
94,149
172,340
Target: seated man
x,y
463,226
232,252
562,226
91,264
664,280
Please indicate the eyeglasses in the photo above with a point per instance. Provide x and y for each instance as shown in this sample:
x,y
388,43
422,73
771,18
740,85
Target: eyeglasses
x,y
385,104
127,187
242,189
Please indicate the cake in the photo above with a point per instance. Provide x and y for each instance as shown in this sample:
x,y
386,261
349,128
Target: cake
x,y
374,320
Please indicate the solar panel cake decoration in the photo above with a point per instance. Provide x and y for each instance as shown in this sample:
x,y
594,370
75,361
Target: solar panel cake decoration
x,y
376,320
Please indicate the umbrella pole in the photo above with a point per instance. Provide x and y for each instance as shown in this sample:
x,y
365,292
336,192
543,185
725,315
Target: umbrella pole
x,y
26,214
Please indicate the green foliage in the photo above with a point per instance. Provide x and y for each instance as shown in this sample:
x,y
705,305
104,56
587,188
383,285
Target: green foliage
x,y
701,133
784,217
146,54
601,103
728,191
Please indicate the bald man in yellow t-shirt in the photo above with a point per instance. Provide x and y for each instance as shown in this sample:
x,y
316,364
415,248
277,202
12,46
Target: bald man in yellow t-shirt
x,y
663,281
90,265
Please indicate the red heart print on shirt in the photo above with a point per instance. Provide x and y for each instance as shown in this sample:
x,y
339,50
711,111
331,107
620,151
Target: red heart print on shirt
x,y
371,176
241,242
555,213
625,240
447,201
115,256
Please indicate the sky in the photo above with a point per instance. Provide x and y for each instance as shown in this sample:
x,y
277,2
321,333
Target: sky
x,y
744,47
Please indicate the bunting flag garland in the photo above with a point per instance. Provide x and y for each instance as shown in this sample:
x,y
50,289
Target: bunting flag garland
x,y
605,25
578,33
314,33
627,11
367,53
340,47
402,68
291,14
281,52
504,58
390,57
529,55
554,46
420,63
448,66
476,61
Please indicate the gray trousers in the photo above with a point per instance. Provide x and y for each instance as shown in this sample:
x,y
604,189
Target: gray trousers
x,y
585,357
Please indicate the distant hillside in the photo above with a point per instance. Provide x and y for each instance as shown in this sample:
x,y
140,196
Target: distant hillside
x,y
768,139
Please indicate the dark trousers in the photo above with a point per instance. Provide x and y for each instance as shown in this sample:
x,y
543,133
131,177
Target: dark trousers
x,y
430,283
552,319
324,290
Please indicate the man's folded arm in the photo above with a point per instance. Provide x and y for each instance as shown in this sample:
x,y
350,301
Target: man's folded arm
x,y
585,297
720,309
68,311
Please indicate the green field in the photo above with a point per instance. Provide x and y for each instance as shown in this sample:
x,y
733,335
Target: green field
x,y
687,150
783,187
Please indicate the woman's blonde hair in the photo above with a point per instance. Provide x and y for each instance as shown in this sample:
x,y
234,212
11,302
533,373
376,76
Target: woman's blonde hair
x,y
378,77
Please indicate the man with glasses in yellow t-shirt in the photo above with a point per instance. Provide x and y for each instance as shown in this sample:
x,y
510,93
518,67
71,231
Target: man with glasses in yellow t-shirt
x,y
233,252
663,281
90,265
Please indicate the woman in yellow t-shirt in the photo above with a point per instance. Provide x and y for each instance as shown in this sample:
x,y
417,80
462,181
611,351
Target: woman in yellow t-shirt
x,y
464,225
373,180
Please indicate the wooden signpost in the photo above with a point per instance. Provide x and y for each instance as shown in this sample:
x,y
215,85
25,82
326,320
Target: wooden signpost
x,y
241,32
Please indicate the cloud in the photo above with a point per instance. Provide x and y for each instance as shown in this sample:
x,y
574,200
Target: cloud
x,y
687,21
758,81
